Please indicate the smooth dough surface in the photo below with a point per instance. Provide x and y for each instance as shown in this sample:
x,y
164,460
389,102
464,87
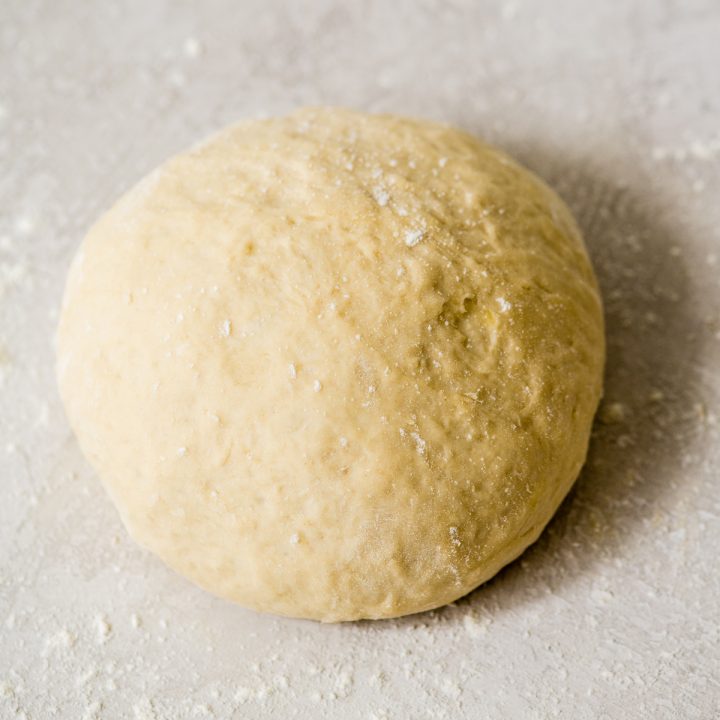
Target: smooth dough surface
x,y
334,365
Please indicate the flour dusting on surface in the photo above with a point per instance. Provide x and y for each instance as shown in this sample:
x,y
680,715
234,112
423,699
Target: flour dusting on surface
x,y
413,237
616,606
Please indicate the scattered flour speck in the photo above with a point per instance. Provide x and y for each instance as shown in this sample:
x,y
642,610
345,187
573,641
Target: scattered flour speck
x,y
475,627
413,237
192,47
420,444
103,629
613,413
381,196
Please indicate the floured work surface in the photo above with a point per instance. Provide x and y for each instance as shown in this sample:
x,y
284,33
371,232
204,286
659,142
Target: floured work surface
x,y
615,609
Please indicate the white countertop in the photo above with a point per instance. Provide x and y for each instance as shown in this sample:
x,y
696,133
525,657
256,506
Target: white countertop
x,y
615,613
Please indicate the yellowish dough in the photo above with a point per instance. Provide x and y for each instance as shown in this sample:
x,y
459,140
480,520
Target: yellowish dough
x,y
334,365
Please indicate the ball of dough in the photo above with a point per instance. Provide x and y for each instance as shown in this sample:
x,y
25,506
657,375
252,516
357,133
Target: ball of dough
x,y
334,365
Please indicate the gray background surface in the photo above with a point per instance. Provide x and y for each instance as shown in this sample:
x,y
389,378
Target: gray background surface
x,y
614,613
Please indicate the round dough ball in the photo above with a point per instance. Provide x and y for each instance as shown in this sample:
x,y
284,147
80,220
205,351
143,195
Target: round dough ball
x,y
334,365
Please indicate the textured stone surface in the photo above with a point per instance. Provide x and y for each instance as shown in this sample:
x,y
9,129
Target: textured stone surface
x,y
614,613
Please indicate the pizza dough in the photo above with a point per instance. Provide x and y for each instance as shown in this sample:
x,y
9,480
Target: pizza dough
x,y
334,365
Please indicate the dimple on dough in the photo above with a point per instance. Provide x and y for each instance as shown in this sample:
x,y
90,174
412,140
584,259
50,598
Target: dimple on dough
x,y
334,365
